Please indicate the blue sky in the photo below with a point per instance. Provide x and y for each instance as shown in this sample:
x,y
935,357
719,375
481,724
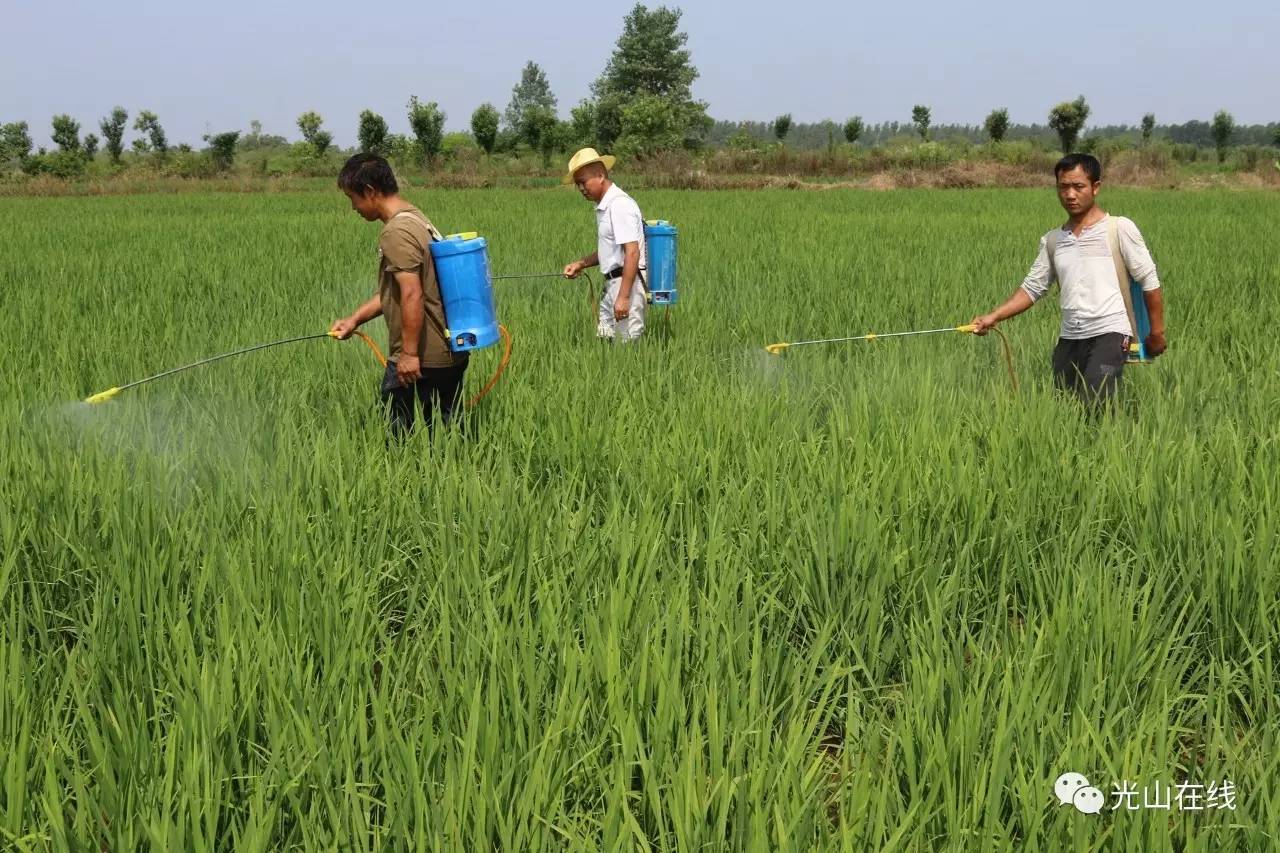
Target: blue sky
x,y
215,66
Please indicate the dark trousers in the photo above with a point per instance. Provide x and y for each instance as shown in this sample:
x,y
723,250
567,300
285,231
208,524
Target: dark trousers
x,y
439,388
1091,368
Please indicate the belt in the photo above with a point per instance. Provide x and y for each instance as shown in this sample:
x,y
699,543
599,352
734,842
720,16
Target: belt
x,y
616,272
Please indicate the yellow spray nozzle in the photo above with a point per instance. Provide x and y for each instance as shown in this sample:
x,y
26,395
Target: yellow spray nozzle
x,y
776,349
967,328
870,336
102,396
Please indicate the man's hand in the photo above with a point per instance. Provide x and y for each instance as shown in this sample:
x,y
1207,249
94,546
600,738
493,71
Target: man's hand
x,y
1155,344
344,328
984,323
408,368
572,270
621,308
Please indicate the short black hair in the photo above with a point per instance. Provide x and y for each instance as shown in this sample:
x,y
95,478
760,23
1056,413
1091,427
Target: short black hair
x,y
1088,162
364,172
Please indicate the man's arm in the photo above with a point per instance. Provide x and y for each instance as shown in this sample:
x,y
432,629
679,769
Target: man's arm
x,y
368,310
1155,342
630,268
411,314
1137,258
572,270
1034,286
1017,302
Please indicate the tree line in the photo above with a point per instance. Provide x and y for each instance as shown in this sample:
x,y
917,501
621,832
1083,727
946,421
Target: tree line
x,y
640,104
1064,128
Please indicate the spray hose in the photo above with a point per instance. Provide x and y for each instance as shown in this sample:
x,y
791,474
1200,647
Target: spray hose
x,y
591,292
591,286
968,329
104,396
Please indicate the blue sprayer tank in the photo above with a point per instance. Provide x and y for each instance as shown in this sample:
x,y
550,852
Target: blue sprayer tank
x,y
1141,319
660,244
466,289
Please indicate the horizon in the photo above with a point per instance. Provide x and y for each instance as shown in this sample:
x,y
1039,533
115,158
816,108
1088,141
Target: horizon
x,y
278,64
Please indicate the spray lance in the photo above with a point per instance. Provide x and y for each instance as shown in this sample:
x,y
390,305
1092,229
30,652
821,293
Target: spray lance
x,y
462,269
104,396
967,329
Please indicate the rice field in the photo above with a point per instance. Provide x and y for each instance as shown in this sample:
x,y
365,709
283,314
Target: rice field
x,y
682,595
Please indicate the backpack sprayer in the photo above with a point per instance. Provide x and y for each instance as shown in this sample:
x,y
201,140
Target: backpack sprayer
x,y
1139,320
660,245
471,318
967,329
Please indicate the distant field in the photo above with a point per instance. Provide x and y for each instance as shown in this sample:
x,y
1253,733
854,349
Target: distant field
x,y
682,595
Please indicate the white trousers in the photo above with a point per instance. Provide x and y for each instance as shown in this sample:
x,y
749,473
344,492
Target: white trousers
x,y
632,326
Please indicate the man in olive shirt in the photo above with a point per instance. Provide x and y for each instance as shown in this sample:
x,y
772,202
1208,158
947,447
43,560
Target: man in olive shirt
x,y
421,366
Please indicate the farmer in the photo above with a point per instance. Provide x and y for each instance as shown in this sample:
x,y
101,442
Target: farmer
x,y
620,250
1096,330
421,367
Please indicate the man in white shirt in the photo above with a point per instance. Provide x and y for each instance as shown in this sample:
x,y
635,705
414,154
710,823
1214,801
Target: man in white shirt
x,y
1093,344
620,249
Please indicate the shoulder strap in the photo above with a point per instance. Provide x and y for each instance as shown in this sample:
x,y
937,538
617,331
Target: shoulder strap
x,y
431,228
1122,273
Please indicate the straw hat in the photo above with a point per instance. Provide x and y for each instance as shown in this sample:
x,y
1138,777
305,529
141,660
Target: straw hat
x,y
585,157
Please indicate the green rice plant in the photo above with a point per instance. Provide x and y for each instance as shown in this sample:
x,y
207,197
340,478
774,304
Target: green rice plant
x,y
680,595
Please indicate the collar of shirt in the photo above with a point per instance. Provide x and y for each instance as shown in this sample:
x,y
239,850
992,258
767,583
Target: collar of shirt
x,y
609,195
1066,226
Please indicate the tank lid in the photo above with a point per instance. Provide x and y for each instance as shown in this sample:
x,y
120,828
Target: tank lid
x,y
659,226
458,244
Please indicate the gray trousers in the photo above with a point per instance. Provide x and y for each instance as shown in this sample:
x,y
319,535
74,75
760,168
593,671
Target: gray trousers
x,y
1091,368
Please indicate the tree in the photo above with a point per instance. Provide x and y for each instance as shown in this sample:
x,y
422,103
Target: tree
x,y
649,61
256,140
15,142
652,124
997,124
1275,139
533,90
831,134
91,146
112,128
608,108
1068,119
66,133
920,117
583,122
399,146
1223,126
1148,125
372,133
853,129
782,126
427,123
309,124
147,123
484,126
538,129
222,148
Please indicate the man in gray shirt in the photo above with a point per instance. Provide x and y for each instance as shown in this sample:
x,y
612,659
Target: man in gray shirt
x,y
1093,344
